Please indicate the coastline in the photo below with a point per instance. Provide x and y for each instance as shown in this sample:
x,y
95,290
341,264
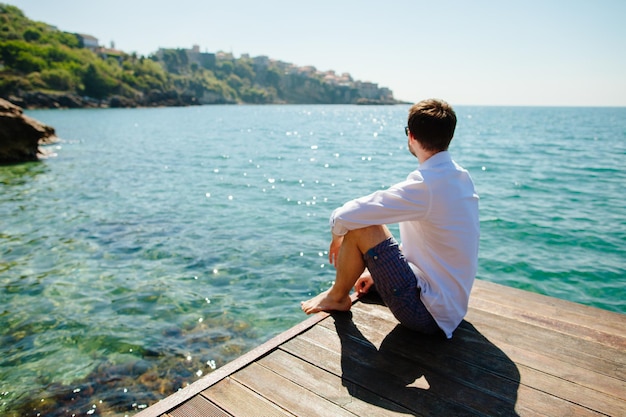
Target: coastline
x,y
42,100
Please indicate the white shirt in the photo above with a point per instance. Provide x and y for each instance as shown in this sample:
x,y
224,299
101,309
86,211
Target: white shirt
x,y
437,211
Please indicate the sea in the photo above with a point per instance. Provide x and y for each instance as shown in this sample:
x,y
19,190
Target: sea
x,y
155,245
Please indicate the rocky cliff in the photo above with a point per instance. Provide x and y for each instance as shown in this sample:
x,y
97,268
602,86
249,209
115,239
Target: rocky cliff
x,y
21,135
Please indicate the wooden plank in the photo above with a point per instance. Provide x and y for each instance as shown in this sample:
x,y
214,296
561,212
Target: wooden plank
x,y
564,370
198,407
331,386
530,401
576,394
600,391
362,378
567,311
534,402
448,360
590,349
538,317
468,346
413,385
238,400
292,397
584,354
471,348
435,354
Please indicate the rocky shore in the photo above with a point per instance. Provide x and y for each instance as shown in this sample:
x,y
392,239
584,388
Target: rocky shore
x,y
40,100
21,135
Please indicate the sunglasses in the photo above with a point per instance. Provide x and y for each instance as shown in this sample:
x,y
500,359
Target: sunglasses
x,y
406,130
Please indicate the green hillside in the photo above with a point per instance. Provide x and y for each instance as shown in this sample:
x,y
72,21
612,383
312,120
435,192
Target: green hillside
x,y
41,66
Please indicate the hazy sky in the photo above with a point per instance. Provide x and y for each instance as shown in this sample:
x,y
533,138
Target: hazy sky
x,y
517,52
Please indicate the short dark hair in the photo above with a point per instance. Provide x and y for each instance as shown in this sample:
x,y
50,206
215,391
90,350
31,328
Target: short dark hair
x,y
432,123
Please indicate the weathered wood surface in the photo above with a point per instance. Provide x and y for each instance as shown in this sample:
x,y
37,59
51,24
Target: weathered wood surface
x,y
517,353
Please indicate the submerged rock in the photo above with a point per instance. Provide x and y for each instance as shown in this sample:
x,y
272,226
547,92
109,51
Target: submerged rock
x,y
21,135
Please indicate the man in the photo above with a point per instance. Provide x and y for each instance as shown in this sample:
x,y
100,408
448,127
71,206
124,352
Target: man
x,y
425,283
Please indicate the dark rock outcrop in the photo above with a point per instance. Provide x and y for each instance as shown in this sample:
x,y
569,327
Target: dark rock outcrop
x,y
21,135
40,100
171,98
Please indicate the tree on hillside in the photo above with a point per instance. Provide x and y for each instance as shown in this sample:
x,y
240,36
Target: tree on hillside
x,y
97,84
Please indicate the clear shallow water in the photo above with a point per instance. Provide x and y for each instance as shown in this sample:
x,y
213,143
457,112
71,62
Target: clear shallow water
x,y
161,243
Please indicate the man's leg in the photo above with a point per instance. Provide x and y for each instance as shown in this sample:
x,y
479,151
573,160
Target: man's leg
x,y
350,266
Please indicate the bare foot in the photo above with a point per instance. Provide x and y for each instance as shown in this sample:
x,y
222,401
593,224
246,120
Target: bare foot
x,y
324,302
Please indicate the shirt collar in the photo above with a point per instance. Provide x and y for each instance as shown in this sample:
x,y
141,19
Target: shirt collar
x,y
437,159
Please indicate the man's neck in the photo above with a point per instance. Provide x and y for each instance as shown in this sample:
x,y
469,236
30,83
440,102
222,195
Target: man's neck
x,y
424,155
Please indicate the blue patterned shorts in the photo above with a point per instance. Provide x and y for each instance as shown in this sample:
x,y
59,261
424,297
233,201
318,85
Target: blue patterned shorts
x,y
395,281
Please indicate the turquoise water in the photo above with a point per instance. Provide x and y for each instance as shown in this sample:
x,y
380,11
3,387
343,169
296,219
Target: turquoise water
x,y
160,244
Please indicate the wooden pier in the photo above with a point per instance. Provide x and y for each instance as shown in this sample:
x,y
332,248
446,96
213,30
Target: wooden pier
x,y
517,353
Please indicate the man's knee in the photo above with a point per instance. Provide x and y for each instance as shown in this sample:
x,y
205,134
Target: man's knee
x,y
368,237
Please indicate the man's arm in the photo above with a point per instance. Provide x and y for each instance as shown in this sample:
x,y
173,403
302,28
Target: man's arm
x,y
408,200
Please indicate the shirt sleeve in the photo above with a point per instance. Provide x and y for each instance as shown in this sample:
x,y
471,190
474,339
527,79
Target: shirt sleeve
x,y
408,200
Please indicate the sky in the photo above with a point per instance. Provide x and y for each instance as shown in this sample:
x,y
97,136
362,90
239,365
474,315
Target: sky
x,y
468,52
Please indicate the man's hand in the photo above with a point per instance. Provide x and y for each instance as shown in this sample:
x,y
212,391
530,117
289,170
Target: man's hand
x,y
333,251
363,284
